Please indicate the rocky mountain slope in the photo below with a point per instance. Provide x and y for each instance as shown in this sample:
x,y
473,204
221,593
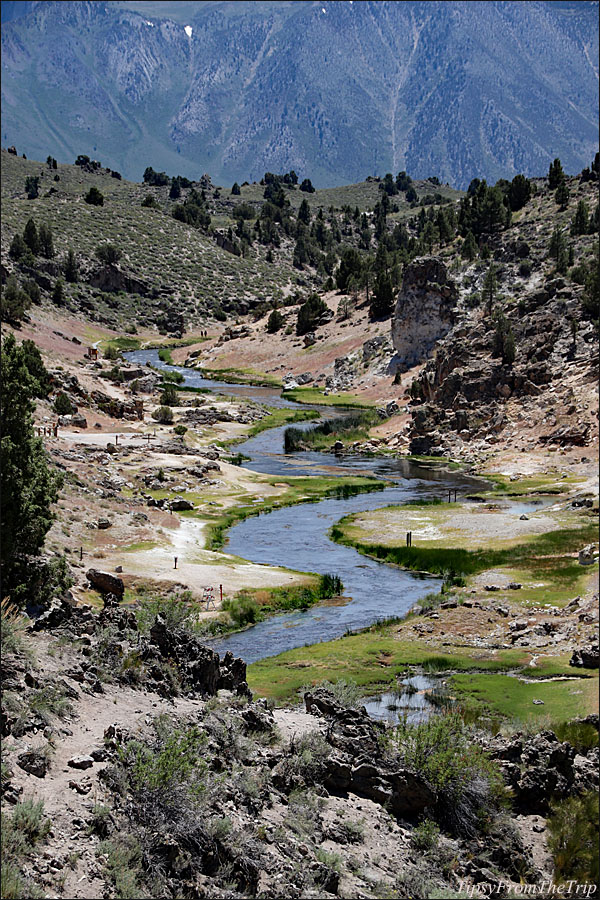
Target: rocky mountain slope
x,y
335,91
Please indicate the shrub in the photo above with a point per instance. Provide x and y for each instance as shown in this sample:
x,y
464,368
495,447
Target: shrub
x,y
62,405
180,430
94,197
310,313
573,839
164,415
468,784
13,627
242,610
275,322
168,396
108,254
425,836
112,353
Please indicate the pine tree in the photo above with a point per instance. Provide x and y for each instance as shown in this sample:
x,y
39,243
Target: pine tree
x,y
490,288
555,174
274,322
58,294
30,236
46,241
236,190
469,247
29,486
580,221
71,268
562,195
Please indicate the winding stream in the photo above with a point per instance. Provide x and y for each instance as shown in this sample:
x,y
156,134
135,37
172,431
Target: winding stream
x,y
296,536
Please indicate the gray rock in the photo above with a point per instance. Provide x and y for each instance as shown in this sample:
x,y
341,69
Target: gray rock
x,y
81,762
586,657
33,762
106,583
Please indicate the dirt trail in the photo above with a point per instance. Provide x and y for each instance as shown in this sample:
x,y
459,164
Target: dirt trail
x,y
68,809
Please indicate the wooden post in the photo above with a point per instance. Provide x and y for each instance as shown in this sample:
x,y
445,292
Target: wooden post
x,y
221,593
175,566
455,495
81,553
449,496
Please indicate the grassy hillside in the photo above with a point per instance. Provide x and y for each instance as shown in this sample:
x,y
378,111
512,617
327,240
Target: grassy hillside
x,y
170,257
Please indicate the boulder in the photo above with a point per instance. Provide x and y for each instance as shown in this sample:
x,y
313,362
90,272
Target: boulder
x,y
179,503
587,555
104,523
81,762
59,612
33,762
586,657
106,583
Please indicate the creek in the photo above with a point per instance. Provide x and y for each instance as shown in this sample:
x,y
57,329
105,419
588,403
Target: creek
x,y
297,536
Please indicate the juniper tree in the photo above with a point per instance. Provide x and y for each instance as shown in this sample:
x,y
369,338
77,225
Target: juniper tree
x,y
29,485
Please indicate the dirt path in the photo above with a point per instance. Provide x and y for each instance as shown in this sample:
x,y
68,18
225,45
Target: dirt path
x,y
70,851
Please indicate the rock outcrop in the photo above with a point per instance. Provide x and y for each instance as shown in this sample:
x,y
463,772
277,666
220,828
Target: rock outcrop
x,y
425,311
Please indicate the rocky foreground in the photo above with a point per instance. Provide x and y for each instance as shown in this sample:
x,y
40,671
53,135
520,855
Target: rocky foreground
x,y
161,776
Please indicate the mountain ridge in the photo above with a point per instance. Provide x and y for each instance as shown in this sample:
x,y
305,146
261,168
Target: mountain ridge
x,y
334,91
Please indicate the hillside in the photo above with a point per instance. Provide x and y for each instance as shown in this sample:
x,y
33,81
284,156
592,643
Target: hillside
x,y
169,269
333,90
416,721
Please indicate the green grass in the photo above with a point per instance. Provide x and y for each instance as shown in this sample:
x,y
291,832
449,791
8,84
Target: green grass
x,y
438,560
513,698
276,418
241,376
121,343
352,427
164,354
315,396
372,659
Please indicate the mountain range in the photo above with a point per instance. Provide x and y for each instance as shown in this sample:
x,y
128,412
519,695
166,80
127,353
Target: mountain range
x,y
334,90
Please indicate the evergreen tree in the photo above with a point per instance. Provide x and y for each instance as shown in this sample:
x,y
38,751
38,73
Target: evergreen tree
x,y
275,321
469,247
14,302
504,340
304,212
490,287
307,186
29,486
310,314
382,302
175,191
236,190
71,268
46,241
18,247
581,219
32,187
555,174
30,236
519,192
94,197
562,195
168,396
58,294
